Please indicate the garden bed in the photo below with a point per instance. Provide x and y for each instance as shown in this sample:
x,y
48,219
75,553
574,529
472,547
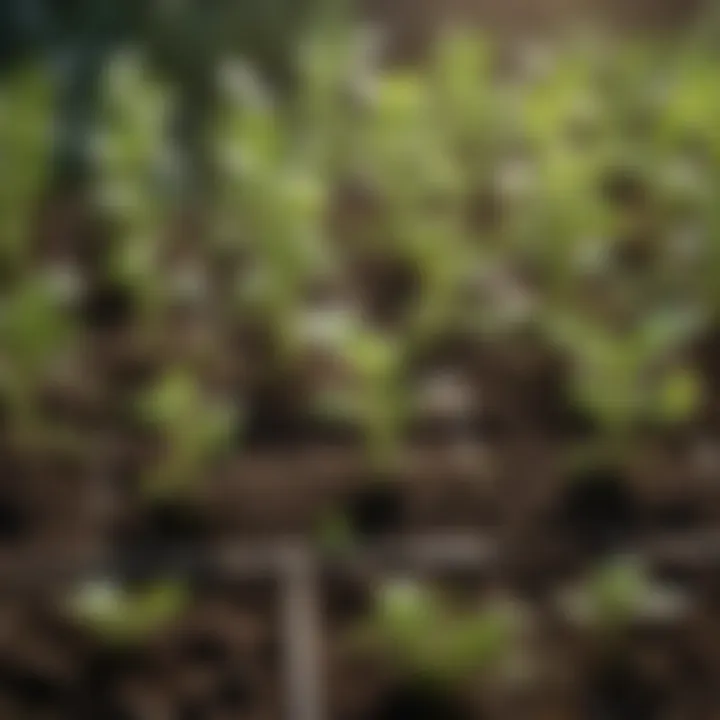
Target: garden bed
x,y
436,356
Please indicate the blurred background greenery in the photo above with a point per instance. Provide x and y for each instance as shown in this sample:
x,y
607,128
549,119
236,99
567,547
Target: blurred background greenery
x,y
282,236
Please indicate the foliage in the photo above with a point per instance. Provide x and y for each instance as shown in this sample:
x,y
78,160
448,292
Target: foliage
x,y
426,636
619,593
35,330
625,377
573,195
572,199
193,428
139,176
25,136
121,616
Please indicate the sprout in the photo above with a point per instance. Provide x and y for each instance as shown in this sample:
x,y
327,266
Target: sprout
x,y
376,396
25,145
619,593
193,428
679,396
34,331
631,377
137,175
426,636
124,616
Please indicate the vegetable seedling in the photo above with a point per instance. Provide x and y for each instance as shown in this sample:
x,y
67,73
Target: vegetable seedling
x,y
120,616
25,145
34,330
375,395
620,593
428,638
193,428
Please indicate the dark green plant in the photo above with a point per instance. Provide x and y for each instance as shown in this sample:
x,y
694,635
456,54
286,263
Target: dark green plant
x,y
35,330
25,143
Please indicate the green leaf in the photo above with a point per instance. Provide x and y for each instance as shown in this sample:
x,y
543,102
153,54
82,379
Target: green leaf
x,y
32,325
679,395
174,399
122,616
442,644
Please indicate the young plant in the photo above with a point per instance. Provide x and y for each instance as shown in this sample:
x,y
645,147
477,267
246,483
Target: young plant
x,y
271,207
139,177
375,393
406,151
193,429
428,638
25,144
34,331
338,71
619,593
121,616
626,378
